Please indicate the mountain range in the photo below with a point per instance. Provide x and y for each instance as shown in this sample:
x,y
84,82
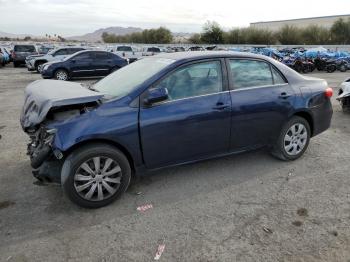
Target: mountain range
x,y
97,35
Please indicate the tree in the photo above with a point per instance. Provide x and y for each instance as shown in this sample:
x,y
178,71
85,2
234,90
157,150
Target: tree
x,y
315,35
212,33
195,39
27,38
340,32
160,35
289,35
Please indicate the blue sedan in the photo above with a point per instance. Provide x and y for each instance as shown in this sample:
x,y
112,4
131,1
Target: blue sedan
x,y
83,64
167,110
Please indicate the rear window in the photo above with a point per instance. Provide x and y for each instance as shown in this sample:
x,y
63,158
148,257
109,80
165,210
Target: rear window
x,y
153,49
124,48
24,48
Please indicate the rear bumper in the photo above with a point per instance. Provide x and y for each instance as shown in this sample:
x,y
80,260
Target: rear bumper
x,y
19,60
322,117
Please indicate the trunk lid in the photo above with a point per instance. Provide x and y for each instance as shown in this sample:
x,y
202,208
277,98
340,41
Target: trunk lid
x,y
43,95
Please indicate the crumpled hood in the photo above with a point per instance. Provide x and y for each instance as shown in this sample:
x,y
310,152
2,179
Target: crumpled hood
x,y
42,95
345,87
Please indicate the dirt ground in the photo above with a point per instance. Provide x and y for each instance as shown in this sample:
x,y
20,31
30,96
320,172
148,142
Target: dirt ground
x,y
248,207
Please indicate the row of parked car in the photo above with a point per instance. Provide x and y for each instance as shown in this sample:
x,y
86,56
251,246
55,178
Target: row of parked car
x,y
74,61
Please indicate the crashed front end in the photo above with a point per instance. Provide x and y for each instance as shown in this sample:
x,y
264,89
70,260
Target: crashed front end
x,y
45,160
344,95
49,103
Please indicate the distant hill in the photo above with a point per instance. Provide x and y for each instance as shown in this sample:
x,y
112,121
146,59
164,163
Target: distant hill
x,y
96,36
4,34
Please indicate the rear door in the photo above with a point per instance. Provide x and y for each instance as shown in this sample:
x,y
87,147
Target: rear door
x,y
102,63
262,101
81,65
194,122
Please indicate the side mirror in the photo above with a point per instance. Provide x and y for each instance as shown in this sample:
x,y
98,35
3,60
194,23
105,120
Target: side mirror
x,y
156,95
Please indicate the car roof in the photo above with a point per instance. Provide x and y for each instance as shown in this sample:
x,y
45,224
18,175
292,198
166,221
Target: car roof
x,y
208,54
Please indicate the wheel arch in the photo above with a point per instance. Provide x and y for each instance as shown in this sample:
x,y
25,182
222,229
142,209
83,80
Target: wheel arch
x,y
39,61
308,117
117,145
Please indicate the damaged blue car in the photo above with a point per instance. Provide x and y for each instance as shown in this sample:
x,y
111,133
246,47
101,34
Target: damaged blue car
x,y
167,110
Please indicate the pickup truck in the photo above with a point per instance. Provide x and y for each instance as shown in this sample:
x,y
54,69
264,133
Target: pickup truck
x,y
21,52
35,62
128,52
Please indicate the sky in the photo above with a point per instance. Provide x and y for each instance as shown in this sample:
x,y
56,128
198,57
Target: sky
x,y
69,17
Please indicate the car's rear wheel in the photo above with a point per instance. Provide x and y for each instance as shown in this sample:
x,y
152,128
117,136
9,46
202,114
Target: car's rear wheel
x,y
293,140
61,74
15,64
95,175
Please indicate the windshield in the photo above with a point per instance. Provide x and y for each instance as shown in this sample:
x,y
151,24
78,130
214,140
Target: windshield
x,y
126,79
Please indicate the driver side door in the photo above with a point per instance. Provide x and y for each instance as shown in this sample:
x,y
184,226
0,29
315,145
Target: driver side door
x,y
194,122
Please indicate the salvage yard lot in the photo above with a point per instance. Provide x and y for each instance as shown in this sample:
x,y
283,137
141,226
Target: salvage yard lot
x,y
248,207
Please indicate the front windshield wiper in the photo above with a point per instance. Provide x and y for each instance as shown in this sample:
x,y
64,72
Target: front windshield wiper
x,y
93,89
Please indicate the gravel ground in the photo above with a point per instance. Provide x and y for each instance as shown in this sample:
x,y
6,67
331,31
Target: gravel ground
x,y
249,207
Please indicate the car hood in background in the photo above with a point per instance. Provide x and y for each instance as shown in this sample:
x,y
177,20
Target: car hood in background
x,y
42,95
34,56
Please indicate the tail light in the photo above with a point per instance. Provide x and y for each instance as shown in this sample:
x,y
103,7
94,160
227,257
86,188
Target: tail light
x,y
328,92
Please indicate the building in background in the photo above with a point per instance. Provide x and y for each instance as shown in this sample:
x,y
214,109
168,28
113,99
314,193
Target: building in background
x,y
325,21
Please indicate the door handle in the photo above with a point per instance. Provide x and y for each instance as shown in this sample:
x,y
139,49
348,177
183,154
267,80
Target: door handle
x,y
221,106
283,95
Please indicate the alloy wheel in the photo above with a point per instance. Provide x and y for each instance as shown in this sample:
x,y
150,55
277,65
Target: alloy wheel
x,y
61,75
98,178
295,139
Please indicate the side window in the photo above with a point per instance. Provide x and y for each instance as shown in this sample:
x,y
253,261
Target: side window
x,y
74,50
194,80
250,73
101,55
277,78
61,52
83,56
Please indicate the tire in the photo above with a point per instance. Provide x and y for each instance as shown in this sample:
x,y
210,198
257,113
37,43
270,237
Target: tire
x,y
71,181
281,146
15,64
331,69
37,66
61,74
342,68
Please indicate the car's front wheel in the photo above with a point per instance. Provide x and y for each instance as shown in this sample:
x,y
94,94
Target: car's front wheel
x,y
61,74
39,66
293,140
95,175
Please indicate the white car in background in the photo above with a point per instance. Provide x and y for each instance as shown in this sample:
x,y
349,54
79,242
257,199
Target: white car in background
x,y
128,52
151,50
35,62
